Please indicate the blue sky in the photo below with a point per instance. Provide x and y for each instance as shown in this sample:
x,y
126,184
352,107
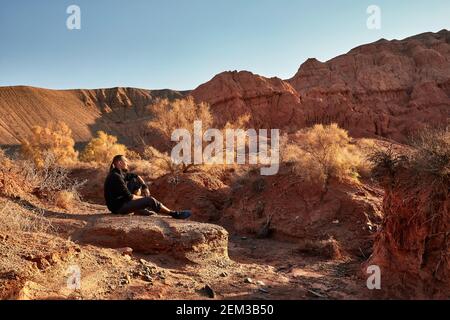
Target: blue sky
x,y
180,44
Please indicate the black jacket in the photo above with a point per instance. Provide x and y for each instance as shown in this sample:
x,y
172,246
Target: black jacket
x,y
116,190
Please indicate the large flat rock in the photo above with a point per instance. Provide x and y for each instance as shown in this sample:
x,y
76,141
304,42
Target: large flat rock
x,y
153,235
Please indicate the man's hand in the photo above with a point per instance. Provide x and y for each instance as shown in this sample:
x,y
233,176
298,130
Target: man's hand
x,y
145,191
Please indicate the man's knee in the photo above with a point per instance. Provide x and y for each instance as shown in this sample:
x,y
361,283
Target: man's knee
x,y
154,204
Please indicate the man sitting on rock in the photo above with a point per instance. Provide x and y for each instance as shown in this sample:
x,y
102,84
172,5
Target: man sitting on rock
x,y
127,193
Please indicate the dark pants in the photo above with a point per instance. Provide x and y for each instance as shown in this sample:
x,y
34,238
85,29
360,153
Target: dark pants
x,y
142,206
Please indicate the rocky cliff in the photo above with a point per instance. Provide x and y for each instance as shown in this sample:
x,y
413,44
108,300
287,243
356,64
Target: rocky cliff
x,y
385,89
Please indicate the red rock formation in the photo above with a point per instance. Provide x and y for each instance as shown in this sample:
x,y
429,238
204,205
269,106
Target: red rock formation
x,y
292,210
380,66
205,194
349,213
387,89
412,249
270,102
191,240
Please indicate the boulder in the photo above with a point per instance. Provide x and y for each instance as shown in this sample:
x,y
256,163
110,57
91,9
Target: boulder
x,y
153,235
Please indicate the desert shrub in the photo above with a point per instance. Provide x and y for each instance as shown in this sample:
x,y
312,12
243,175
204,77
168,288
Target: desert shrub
x,y
133,155
160,163
56,139
65,199
102,149
242,122
170,116
365,147
428,156
178,114
51,182
385,163
17,218
181,114
431,153
323,152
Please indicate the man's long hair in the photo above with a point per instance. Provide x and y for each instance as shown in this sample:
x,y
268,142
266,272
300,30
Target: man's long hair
x,y
114,161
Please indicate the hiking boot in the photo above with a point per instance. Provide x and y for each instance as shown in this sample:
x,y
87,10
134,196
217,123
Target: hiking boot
x,y
181,215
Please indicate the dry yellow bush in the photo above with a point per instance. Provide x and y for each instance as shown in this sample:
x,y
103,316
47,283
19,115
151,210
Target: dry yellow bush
x,y
160,163
242,122
323,152
55,139
156,164
16,218
366,147
133,155
102,149
179,114
65,199
168,117
50,182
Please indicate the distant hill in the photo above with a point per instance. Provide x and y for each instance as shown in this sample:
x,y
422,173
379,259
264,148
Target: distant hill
x,y
85,111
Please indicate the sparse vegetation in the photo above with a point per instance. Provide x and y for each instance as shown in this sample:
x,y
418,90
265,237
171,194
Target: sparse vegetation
x,y
102,149
16,218
133,155
160,162
181,114
428,156
65,199
324,152
178,114
431,153
386,162
51,182
242,122
55,139
48,181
